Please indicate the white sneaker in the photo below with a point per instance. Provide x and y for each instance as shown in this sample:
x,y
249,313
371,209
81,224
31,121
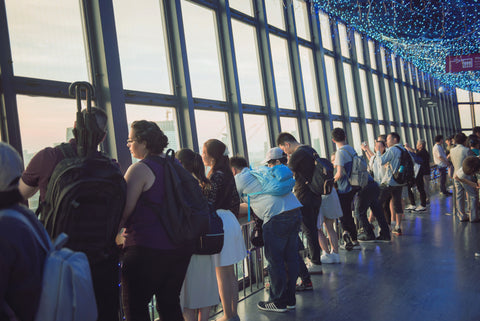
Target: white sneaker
x,y
336,257
410,208
327,258
420,208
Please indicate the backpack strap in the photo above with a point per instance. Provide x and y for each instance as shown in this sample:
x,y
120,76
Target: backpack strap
x,y
67,150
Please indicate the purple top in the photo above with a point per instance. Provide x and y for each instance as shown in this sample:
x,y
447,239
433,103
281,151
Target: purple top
x,y
143,227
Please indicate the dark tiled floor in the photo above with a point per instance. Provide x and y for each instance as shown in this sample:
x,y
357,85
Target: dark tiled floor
x,y
428,273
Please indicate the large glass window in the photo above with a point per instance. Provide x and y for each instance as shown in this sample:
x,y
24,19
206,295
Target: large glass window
x,y
378,98
382,58
477,114
244,6
411,118
143,53
476,97
382,129
301,19
281,70
275,12
394,66
391,116
365,99
256,132
332,85
399,102
290,125
402,68
359,47
317,137
463,96
357,142
325,30
309,80
44,122
248,63
465,116
46,40
344,45
371,136
371,50
164,117
203,51
221,131
352,105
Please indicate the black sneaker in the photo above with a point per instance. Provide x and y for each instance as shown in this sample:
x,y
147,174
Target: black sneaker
x,y
304,286
384,238
366,238
271,306
348,242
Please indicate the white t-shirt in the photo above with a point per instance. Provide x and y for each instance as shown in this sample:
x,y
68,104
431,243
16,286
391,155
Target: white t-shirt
x,y
437,153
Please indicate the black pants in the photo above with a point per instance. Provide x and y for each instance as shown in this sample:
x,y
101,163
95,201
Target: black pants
x,y
147,272
421,190
348,224
309,228
105,278
368,198
443,179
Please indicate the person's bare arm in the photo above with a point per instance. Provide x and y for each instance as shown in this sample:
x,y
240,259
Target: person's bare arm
x,y
26,190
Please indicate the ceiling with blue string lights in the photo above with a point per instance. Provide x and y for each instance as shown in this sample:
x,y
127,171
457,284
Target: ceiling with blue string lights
x,y
423,32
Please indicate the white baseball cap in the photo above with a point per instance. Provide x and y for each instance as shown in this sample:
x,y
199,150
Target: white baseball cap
x,y
273,154
11,168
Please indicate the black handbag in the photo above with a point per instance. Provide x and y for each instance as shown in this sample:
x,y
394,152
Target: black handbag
x,y
256,236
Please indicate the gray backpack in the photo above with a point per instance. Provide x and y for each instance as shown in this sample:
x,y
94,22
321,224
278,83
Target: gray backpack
x,y
67,290
359,174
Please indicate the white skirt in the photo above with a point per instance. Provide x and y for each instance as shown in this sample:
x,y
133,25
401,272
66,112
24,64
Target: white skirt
x,y
200,288
330,208
233,250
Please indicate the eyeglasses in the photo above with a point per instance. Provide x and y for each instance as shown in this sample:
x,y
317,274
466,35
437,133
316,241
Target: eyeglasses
x,y
129,141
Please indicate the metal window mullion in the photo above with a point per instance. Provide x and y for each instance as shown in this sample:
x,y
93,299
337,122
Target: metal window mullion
x,y
321,80
296,73
357,86
9,121
232,86
187,128
105,73
271,102
338,60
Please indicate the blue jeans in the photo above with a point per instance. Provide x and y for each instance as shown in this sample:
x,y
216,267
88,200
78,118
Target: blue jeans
x,y
280,235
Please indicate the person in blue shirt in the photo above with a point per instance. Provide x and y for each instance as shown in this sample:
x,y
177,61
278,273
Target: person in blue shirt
x,y
281,217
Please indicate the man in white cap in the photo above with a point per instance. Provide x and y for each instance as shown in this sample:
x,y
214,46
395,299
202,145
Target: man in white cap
x,y
21,256
281,223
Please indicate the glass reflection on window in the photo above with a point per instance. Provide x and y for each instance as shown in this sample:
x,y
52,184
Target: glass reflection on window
x,y
317,137
248,63
256,132
290,125
301,19
309,79
143,54
244,6
275,9
378,99
359,47
365,98
203,51
332,85
352,105
344,44
281,70
325,30
46,39
221,131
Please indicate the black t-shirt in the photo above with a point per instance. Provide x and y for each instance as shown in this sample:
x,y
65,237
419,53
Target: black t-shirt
x,y
302,164
425,166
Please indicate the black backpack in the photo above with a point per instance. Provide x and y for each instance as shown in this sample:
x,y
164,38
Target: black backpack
x,y
322,178
184,212
86,193
405,173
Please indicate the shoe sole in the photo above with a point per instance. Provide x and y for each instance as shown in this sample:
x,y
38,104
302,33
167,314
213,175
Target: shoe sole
x,y
271,310
291,307
397,233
